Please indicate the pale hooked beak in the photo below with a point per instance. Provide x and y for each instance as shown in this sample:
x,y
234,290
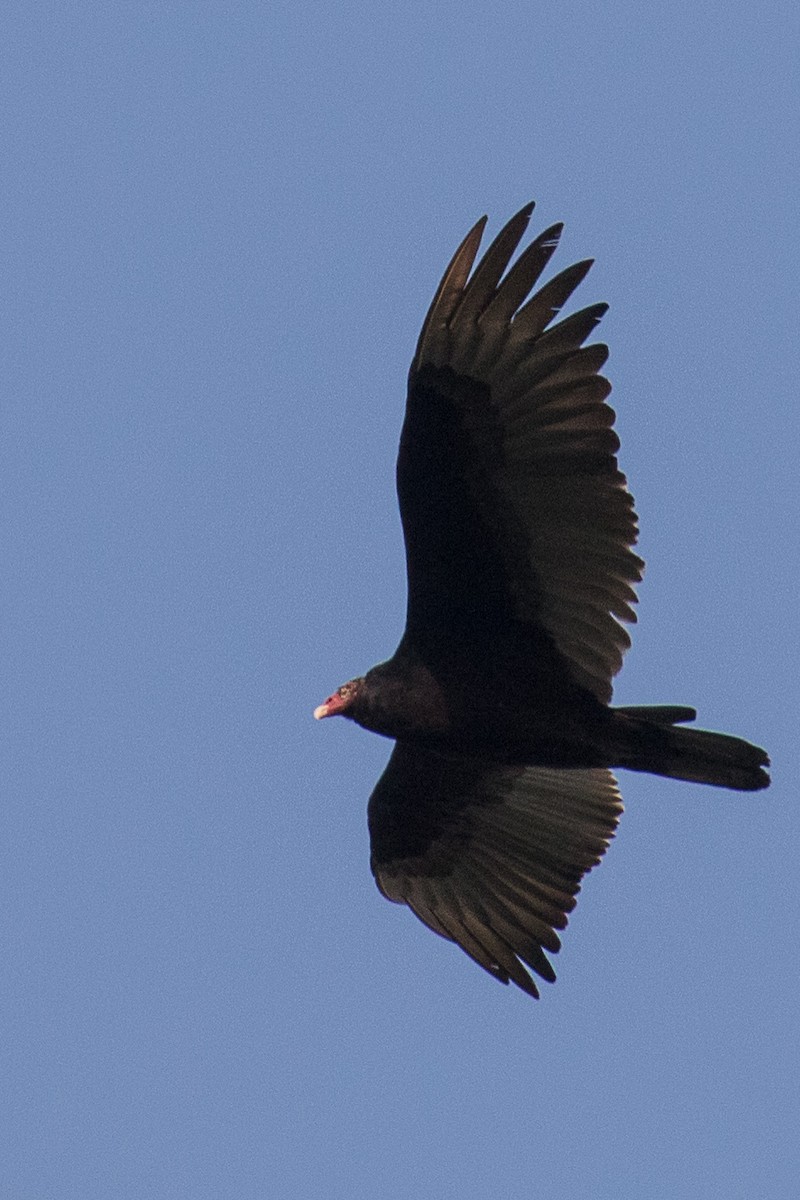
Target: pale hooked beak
x,y
333,705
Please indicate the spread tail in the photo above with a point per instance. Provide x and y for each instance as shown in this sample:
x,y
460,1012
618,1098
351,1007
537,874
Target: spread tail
x,y
696,755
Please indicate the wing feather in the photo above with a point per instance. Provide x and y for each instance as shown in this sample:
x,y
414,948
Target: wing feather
x,y
514,510
521,278
534,316
490,857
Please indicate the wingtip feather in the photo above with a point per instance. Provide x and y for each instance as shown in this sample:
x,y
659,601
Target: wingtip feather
x,y
450,287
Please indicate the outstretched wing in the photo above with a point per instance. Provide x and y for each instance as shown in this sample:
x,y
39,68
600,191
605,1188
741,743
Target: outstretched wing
x,y
518,523
490,857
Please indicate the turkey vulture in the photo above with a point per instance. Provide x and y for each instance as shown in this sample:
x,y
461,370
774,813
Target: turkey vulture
x,y
498,796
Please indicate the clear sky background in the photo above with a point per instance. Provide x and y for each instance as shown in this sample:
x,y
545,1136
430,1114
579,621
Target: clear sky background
x,y
221,226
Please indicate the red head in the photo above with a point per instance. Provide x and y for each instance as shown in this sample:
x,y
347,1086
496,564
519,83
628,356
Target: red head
x,y
341,701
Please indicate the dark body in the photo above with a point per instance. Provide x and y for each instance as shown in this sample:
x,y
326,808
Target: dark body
x,y
519,530
470,714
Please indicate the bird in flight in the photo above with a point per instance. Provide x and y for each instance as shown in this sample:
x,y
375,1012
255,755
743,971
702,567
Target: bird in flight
x,y
498,796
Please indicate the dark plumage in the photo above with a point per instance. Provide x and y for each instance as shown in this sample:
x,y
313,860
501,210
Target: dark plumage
x,y
519,530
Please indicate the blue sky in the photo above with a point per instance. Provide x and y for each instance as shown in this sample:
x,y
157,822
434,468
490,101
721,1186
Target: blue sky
x,y
221,226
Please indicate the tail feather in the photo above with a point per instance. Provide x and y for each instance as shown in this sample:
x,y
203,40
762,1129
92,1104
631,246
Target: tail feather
x,y
662,714
698,756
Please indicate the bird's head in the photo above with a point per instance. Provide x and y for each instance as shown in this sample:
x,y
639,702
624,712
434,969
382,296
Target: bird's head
x,y
342,700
